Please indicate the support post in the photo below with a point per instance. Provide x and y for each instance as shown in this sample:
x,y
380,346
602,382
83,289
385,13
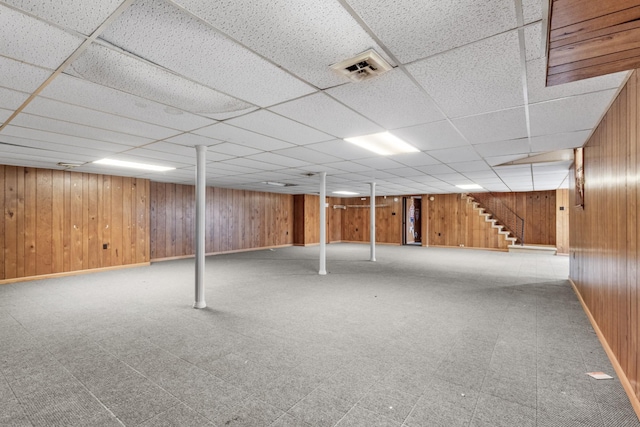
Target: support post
x,y
201,192
323,224
372,222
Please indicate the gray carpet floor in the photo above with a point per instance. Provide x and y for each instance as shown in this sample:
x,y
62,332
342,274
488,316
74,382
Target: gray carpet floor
x,y
422,337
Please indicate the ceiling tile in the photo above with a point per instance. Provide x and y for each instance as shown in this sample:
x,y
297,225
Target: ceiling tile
x,y
569,114
435,169
433,26
391,100
191,140
4,115
307,155
347,166
225,132
414,159
536,86
39,43
167,36
342,149
295,34
473,166
39,135
533,41
250,163
478,78
74,114
73,129
277,159
65,152
267,123
21,76
452,155
78,15
498,160
105,66
559,141
380,163
80,92
532,10
501,148
11,99
327,115
406,172
432,136
233,149
153,156
495,126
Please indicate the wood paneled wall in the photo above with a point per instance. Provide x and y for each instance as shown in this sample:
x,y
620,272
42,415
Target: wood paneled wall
x,y
538,208
355,220
58,221
604,235
454,222
592,38
235,220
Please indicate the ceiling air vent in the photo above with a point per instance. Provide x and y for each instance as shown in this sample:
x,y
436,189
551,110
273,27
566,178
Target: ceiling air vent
x,y
362,67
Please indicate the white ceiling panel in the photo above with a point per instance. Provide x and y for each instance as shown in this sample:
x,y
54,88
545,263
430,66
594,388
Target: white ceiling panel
x,y
89,154
21,76
435,169
233,150
569,114
80,92
478,78
225,132
250,163
343,149
414,159
391,100
495,126
38,135
230,168
150,30
105,66
15,152
191,140
39,43
170,148
307,155
559,141
416,30
277,159
532,10
73,129
327,115
454,155
347,166
4,115
11,99
515,146
282,29
405,172
533,41
539,92
74,114
142,157
432,136
154,155
473,166
78,15
380,163
267,123
498,160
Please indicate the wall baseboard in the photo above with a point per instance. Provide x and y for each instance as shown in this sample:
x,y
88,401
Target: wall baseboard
x,y
222,252
71,273
626,384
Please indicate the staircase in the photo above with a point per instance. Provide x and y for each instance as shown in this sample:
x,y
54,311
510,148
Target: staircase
x,y
488,217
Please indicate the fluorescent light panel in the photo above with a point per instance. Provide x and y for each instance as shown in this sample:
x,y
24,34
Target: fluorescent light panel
x,y
469,186
345,193
133,165
275,184
383,143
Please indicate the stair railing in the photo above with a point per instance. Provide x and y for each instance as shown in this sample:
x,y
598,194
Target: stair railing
x,y
513,222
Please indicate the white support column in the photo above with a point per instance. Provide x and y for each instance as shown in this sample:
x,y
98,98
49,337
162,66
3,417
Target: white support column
x,y
201,194
323,224
372,222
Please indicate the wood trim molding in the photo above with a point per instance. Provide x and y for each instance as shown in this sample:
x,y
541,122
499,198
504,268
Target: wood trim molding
x,y
72,273
626,384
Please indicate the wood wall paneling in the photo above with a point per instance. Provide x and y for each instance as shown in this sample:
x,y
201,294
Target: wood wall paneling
x,y
604,235
588,39
56,222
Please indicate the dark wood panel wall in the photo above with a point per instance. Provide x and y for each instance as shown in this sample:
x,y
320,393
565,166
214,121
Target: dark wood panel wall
x,y
604,235
592,38
356,219
58,221
235,220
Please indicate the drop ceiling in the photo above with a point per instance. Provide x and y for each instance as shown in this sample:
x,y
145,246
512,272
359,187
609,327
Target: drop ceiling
x,y
146,81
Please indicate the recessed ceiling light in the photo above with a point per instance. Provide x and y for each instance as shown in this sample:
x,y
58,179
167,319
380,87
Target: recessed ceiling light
x,y
278,184
133,165
345,193
469,186
383,143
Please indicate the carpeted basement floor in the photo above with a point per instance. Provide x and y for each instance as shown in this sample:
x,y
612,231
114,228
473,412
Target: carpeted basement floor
x,y
423,337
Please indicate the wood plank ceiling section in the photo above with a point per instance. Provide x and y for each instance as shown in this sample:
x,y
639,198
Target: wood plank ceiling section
x,y
592,38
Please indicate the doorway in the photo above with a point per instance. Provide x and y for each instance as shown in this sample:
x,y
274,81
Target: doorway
x,y
412,220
